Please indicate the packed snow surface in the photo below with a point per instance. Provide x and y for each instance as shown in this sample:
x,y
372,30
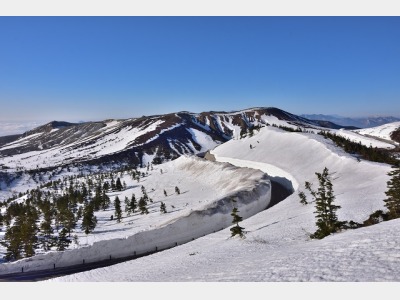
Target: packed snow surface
x,y
277,245
207,191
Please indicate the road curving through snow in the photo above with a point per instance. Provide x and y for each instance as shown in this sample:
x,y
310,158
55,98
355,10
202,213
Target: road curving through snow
x,y
250,189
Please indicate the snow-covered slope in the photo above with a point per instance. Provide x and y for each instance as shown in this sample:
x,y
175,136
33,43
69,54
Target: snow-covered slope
x,y
369,141
135,141
384,132
278,247
361,255
202,207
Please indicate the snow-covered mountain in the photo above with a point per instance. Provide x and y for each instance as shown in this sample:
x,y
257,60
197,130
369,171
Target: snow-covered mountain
x,y
277,245
256,151
365,122
138,141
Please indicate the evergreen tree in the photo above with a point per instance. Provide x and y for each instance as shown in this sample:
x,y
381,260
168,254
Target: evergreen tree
x,y
126,202
143,206
118,185
106,186
29,230
303,198
89,220
45,227
112,184
105,201
165,193
62,241
327,221
13,243
131,207
163,209
236,230
392,203
118,210
177,190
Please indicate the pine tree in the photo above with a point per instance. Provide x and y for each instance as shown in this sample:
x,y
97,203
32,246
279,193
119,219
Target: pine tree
x,y
89,220
118,210
163,209
303,198
327,221
118,185
143,206
126,202
236,230
392,203
29,230
105,201
13,243
165,193
177,190
62,241
45,227
131,205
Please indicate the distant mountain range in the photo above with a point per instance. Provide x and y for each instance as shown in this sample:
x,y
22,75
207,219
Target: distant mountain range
x,y
365,122
139,140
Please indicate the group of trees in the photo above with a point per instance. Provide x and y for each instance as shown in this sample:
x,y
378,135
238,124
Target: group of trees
x,y
326,211
50,213
392,202
368,153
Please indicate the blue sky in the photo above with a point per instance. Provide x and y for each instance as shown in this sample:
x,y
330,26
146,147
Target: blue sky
x,y
94,68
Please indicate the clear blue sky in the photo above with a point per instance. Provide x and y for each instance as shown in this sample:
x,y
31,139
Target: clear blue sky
x,y
93,68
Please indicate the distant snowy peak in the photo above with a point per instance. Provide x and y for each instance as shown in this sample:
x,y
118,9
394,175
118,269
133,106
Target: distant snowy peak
x,y
366,122
141,140
388,132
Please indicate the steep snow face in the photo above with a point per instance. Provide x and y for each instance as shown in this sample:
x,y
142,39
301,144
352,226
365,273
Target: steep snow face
x,y
207,194
204,140
382,132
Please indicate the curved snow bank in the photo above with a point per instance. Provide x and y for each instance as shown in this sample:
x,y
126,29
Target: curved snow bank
x,y
250,188
359,186
275,173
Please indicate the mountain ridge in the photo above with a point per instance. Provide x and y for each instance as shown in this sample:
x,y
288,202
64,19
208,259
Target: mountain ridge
x,y
139,141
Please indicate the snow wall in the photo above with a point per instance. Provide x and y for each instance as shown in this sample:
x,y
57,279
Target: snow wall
x,y
214,217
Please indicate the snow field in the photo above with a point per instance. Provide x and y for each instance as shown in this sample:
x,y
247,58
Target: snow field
x,y
203,207
382,131
366,141
277,245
